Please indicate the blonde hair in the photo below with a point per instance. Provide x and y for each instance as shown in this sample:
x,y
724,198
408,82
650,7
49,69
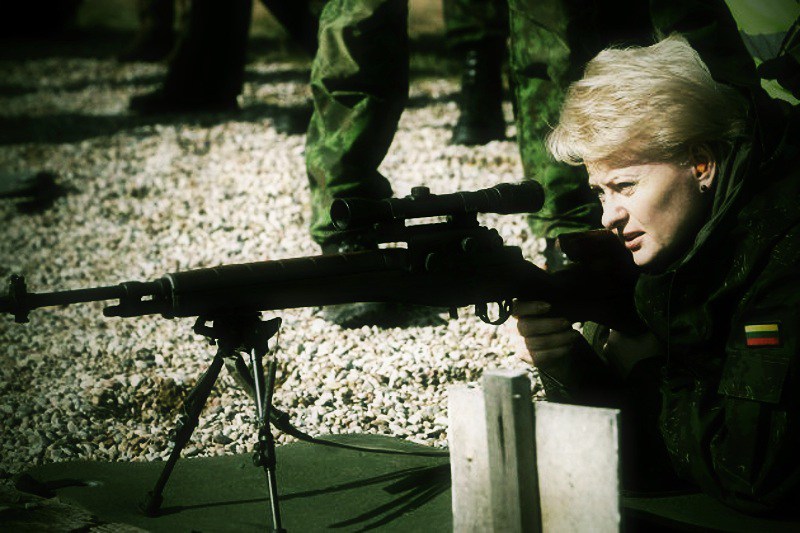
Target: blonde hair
x,y
644,104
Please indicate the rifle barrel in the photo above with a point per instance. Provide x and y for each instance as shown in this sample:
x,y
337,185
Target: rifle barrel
x,y
145,296
47,299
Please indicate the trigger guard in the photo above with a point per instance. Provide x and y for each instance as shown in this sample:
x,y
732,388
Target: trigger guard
x,y
481,310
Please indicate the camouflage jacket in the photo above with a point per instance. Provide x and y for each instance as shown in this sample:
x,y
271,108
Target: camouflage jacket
x,y
728,313
729,317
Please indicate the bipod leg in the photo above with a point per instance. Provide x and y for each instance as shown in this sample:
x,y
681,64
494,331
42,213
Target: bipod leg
x,y
264,455
192,407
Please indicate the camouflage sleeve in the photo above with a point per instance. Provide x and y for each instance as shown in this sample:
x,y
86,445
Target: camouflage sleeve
x,y
738,436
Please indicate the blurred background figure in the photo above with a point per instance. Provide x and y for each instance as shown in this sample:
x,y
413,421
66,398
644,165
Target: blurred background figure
x,y
38,19
206,67
476,32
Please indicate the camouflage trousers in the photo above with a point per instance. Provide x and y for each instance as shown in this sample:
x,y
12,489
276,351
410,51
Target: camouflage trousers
x,y
359,82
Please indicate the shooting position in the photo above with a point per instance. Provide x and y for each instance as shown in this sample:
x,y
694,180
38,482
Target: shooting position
x,y
700,181
450,264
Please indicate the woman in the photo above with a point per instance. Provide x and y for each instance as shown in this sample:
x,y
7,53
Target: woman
x,y
701,183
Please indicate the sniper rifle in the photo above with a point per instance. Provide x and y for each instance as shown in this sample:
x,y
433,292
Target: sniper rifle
x,y
446,264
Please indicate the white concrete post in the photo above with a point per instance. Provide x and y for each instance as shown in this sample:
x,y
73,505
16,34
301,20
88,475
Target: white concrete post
x,y
512,454
469,460
577,451
509,474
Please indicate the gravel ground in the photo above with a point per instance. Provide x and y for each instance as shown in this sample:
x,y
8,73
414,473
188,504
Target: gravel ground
x,y
151,196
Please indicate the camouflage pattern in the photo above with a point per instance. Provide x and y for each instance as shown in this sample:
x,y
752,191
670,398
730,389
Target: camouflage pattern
x,y
730,411
539,59
726,410
351,131
359,83
470,23
551,41
364,45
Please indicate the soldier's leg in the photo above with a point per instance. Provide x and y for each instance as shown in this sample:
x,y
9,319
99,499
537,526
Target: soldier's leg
x,y
300,19
359,84
206,71
540,60
476,33
212,51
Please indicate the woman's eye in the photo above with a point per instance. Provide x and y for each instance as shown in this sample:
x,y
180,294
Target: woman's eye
x,y
626,187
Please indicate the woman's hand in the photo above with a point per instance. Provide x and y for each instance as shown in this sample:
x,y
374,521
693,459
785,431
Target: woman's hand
x,y
549,341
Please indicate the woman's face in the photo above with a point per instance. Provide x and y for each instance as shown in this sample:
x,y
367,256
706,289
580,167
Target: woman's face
x,y
655,208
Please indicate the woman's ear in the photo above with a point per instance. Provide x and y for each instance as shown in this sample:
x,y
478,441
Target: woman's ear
x,y
704,166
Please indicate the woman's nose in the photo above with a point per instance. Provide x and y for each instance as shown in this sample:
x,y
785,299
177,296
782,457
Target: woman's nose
x,y
614,215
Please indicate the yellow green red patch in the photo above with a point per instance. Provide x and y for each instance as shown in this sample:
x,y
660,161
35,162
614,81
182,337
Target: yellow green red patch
x,y
762,334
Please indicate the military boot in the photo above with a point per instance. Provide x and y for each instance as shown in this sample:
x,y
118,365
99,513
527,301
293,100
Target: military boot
x,y
480,102
206,69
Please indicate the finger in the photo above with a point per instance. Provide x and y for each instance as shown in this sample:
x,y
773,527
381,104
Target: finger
x,y
550,358
565,339
521,308
528,327
517,341
525,355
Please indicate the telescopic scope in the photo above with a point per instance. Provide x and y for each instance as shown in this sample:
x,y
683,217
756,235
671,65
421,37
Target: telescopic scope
x,y
503,199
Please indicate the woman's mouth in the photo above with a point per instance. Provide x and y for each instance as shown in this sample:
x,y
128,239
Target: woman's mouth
x,y
633,240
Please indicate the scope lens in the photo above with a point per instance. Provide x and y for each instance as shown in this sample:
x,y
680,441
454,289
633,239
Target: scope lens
x,y
341,214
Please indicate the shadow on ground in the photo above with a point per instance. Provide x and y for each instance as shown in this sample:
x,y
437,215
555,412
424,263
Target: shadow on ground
x,y
320,488
429,59
75,127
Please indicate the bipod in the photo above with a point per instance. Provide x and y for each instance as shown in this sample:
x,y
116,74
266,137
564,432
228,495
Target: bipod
x,y
232,334
264,455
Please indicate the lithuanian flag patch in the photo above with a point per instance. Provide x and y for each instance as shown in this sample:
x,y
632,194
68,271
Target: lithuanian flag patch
x,y
762,335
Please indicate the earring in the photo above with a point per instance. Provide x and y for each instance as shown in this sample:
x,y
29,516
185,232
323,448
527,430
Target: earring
x,y
703,188
700,168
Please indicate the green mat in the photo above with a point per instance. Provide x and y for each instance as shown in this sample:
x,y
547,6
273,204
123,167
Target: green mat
x,y
320,488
